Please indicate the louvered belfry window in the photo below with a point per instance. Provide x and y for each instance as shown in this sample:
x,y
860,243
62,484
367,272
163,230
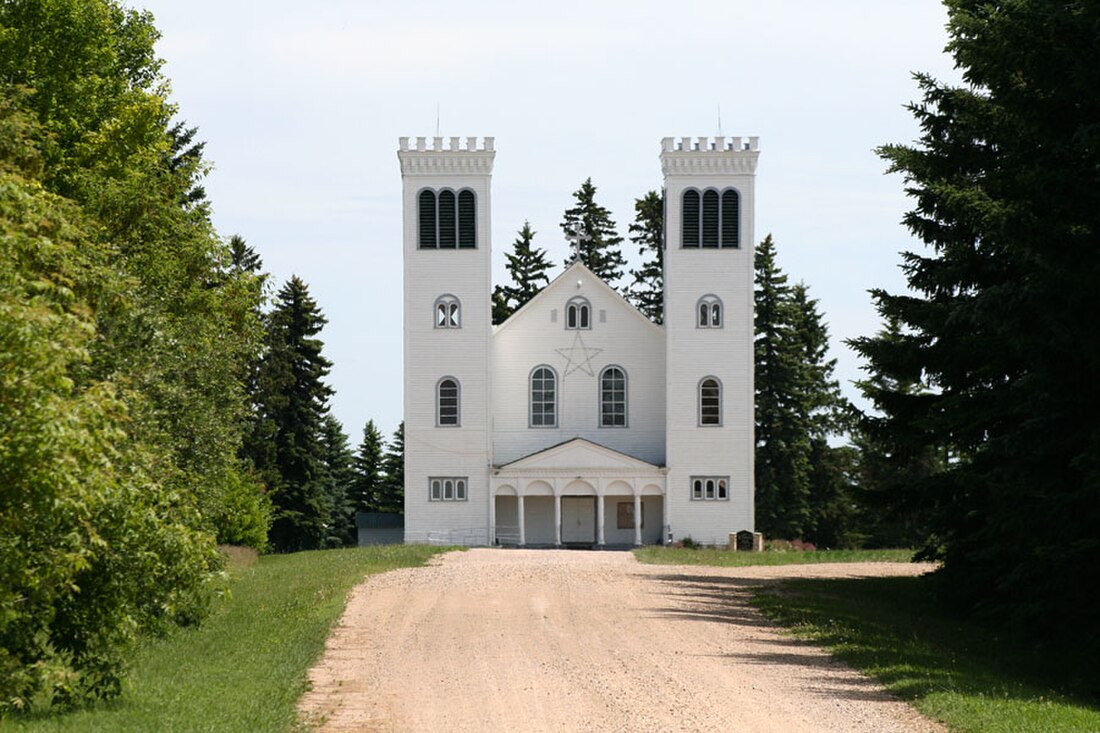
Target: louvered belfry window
x,y
447,220
711,219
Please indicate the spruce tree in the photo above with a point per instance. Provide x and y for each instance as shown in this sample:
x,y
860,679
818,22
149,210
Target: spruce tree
x,y
527,266
897,454
392,497
340,475
367,486
1001,312
600,244
287,442
647,291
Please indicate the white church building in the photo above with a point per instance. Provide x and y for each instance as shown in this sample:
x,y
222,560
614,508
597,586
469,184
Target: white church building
x,y
578,421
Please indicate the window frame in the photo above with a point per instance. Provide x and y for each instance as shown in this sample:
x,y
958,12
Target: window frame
x,y
603,400
718,488
708,301
453,302
462,233
694,230
439,403
699,402
458,484
581,306
531,397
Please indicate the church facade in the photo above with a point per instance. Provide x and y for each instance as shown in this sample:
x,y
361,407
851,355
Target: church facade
x,y
578,421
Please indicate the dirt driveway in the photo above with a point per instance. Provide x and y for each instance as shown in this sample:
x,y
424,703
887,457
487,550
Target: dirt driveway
x,y
535,640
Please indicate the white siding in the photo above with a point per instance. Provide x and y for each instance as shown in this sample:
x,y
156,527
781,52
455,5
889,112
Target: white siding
x,y
626,339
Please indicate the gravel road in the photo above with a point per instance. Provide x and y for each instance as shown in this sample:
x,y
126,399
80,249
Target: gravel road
x,y
540,640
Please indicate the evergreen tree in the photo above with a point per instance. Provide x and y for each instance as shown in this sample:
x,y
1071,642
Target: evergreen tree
x,y
287,443
527,266
782,418
1000,317
897,455
600,245
340,470
392,497
367,487
647,292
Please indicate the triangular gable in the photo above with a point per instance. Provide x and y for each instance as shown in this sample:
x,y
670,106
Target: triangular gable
x,y
561,283
578,453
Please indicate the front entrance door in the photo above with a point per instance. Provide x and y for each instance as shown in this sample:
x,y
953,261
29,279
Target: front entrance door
x,y
578,520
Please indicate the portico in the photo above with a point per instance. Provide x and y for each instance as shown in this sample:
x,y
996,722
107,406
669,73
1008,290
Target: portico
x,y
577,493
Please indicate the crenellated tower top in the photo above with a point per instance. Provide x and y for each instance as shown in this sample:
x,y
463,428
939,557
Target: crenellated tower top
x,y
459,156
708,156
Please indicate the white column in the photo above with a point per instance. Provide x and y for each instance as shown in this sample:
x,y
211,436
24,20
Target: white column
x,y
599,515
521,519
637,518
492,513
557,519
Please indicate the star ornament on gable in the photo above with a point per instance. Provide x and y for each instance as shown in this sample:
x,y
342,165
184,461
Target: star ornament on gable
x,y
578,357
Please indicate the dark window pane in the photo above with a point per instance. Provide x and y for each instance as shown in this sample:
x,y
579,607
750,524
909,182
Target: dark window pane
x,y
731,218
710,219
447,238
690,234
467,222
427,219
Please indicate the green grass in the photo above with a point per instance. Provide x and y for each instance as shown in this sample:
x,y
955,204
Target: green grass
x,y
952,670
244,668
726,558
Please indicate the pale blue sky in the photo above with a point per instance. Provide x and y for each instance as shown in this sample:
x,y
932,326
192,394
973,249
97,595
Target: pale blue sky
x,y
301,105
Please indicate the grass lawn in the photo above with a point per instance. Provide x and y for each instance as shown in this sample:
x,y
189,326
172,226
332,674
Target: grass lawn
x,y
244,668
951,670
726,558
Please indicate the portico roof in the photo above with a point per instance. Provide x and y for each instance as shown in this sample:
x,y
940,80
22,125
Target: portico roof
x,y
578,454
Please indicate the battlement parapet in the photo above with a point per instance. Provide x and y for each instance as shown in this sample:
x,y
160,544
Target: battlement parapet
x,y
709,156
445,155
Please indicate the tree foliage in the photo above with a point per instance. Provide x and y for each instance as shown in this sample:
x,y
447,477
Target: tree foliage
x,y
600,247
125,337
1001,316
803,485
367,485
647,291
286,444
392,497
340,474
527,266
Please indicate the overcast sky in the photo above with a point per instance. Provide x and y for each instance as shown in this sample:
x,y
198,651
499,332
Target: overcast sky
x,y
301,105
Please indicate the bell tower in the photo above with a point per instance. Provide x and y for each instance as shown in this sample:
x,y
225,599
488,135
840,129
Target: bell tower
x,y
709,186
446,225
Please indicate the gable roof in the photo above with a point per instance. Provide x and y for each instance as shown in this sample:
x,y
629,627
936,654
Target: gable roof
x,y
559,283
577,453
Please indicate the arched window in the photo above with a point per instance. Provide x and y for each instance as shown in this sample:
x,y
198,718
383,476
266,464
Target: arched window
x,y
544,397
708,313
578,314
448,312
446,403
710,401
710,488
613,398
711,218
447,220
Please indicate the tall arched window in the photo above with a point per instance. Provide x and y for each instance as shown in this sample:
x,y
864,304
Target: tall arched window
x,y
448,312
711,218
708,312
710,401
613,398
578,314
447,220
446,403
544,397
